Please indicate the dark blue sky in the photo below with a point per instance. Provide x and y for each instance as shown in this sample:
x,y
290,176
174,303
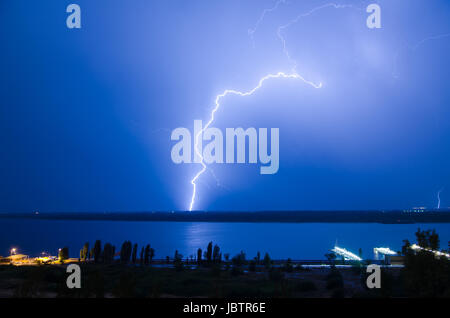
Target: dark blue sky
x,y
86,115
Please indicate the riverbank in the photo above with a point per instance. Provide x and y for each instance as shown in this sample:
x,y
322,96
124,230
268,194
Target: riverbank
x,y
117,280
383,217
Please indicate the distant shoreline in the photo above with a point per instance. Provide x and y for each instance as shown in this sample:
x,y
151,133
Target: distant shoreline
x,y
392,217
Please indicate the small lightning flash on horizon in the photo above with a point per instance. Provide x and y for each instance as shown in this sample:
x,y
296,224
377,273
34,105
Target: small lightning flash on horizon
x,y
439,198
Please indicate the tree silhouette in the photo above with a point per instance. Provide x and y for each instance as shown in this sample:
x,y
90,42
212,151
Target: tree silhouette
x,y
199,256
84,253
152,253
141,259
267,261
178,261
426,274
134,255
108,253
428,239
96,251
239,259
209,252
147,255
125,252
63,253
217,256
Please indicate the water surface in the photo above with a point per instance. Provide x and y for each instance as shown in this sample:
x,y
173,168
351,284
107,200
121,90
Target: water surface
x,y
303,241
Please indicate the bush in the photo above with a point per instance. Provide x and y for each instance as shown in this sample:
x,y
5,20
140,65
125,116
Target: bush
x,y
63,253
178,262
239,259
236,271
334,280
338,293
95,284
275,275
125,252
300,268
306,286
108,253
252,266
424,274
126,286
288,267
216,270
267,261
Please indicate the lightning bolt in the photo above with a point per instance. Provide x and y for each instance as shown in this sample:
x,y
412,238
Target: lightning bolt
x,y
280,75
297,19
292,75
251,32
217,107
439,198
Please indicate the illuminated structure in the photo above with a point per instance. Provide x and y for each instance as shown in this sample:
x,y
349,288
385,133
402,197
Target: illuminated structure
x,y
416,247
347,255
384,251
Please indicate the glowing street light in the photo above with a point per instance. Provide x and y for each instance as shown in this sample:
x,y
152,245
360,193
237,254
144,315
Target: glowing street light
x,y
13,251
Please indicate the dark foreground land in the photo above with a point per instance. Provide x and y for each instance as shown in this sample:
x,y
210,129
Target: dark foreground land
x,y
425,272
391,217
155,282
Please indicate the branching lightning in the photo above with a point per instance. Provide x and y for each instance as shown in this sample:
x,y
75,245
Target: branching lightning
x,y
251,32
292,74
280,75
217,107
297,19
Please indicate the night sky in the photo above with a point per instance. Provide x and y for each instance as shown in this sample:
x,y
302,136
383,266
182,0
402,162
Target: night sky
x,y
86,114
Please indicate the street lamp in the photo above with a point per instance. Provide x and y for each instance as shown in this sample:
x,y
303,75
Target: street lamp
x,y
13,251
